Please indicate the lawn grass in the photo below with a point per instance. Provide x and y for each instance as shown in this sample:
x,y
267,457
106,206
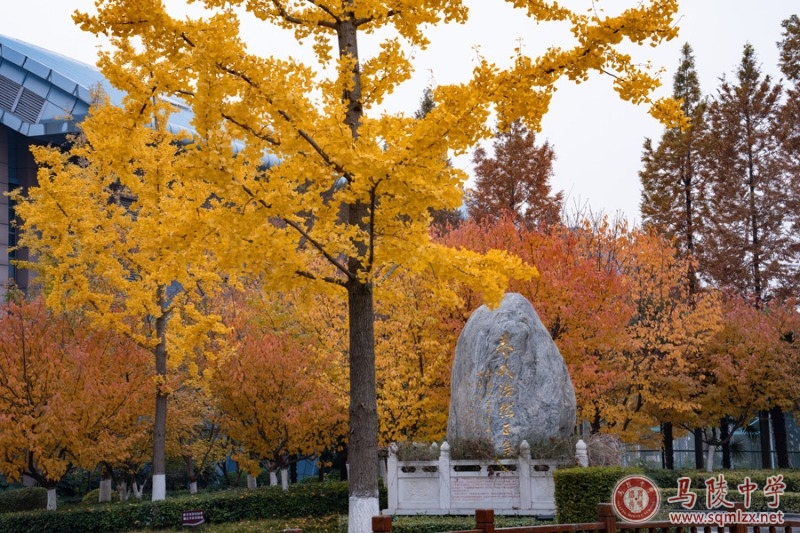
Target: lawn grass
x,y
338,524
327,524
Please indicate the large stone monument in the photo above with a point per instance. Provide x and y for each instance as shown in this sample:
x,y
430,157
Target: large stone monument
x,y
509,381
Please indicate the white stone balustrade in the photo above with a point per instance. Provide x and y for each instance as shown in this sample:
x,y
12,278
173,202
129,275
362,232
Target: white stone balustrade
x,y
519,486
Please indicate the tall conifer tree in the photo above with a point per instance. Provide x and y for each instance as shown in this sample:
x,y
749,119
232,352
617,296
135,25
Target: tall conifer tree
x,y
672,191
515,180
747,246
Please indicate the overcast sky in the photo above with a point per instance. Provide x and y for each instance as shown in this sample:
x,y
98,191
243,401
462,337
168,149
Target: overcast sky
x,y
597,137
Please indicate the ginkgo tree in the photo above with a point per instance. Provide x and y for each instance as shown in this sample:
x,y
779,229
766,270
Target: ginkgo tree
x,y
355,185
118,235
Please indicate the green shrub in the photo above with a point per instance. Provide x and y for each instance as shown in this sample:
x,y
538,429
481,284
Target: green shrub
x,y
579,490
435,524
25,499
307,500
664,479
93,496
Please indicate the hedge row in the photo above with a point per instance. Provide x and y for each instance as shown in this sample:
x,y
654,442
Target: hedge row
x,y
24,499
579,490
436,524
304,500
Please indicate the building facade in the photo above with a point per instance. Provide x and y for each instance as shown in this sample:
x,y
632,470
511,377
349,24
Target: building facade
x,y
43,98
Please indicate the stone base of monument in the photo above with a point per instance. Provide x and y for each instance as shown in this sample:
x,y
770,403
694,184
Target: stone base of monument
x,y
519,486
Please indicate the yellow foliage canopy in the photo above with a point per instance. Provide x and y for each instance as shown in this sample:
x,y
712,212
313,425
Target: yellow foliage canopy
x,y
355,185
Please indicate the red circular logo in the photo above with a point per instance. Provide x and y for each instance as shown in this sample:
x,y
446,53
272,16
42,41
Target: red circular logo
x,y
636,499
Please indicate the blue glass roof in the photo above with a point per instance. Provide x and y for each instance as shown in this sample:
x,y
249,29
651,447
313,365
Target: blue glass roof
x,y
43,93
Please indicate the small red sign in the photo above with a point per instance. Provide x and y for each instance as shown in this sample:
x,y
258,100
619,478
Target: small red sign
x,y
636,499
193,518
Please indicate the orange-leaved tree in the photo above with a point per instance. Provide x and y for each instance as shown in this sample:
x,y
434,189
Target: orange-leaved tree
x,y
355,184
748,367
612,299
668,333
69,394
277,395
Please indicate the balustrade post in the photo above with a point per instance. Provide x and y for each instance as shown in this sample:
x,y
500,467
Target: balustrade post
x,y
582,453
392,483
444,477
524,475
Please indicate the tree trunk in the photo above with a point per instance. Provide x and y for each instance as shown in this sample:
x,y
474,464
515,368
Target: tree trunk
x,y
712,448
343,464
252,482
668,448
698,448
779,436
285,479
363,443
105,489
137,490
725,437
766,446
160,421
273,478
52,503
124,491
293,468
191,475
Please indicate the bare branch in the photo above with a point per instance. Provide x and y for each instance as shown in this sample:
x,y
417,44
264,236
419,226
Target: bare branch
x,y
326,279
305,135
252,131
319,247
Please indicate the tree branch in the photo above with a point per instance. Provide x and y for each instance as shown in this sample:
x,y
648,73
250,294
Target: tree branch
x,y
305,135
319,248
251,130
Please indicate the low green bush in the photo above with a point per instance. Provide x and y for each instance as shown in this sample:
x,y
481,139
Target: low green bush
x,y
93,496
25,499
307,500
579,490
436,524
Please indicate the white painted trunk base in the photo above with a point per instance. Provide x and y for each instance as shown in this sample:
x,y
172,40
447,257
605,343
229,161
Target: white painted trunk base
x,y
105,490
159,487
193,487
712,449
273,478
285,479
124,491
51,500
362,510
252,482
137,490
